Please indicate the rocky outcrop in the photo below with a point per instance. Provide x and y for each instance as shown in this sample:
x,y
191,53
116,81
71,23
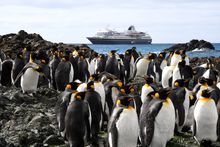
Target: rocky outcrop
x,y
12,43
192,45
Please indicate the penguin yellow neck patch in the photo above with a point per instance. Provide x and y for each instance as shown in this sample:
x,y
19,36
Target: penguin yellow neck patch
x,y
146,86
166,103
205,100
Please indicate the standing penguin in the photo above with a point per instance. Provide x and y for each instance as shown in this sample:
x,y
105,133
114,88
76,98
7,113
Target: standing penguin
x,y
6,73
147,88
100,64
94,100
76,121
30,75
141,67
157,120
64,73
112,64
180,97
53,66
205,119
83,70
63,102
119,130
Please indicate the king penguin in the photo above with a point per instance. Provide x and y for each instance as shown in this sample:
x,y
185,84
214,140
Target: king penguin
x,y
94,100
64,73
157,120
76,121
119,130
63,102
17,67
147,88
205,119
30,75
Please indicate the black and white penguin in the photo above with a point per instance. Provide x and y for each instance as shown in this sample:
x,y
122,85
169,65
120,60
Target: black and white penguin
x,y
160,63
64,73
53,66
180,97
112,90
77,121
74,61
148,87
94,100
63,102
112,65
6,72
119,130
157,120
176,58
83,70
92,64
30,75
17,67
205,119
45,79
129,64
182,71
100,64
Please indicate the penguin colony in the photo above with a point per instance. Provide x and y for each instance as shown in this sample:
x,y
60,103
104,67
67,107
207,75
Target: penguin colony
x,y
140,100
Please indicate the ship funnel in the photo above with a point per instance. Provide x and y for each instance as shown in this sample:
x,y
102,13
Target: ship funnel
x,y
131,28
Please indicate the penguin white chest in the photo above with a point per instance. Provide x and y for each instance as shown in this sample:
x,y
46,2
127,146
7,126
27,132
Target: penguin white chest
x,y
127,126
29,80
206,117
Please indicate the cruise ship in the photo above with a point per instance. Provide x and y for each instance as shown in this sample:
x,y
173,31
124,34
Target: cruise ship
x,y
131,36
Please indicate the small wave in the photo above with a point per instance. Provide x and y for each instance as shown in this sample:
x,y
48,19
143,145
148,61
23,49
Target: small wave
x,y
201,50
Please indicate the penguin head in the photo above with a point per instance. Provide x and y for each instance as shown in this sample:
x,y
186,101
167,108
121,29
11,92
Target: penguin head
x,y
179,83
127,89
20,55
202,81
149,80
119,84
206,93
125,101
152,56
177,52
94,77
79,96
72,86
65,56
90,85
162,93
112,53
162,55
101,56
128,52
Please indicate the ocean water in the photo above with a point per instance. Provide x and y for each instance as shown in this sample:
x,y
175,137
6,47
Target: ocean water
x,y
156,48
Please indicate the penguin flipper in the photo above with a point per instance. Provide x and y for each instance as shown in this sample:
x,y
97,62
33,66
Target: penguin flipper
x,y
112,129
151,115
194,128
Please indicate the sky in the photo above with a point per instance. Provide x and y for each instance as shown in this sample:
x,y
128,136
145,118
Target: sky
x,y
71,21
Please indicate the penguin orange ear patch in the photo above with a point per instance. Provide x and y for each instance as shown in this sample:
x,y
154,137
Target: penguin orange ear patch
x,y
157,95
176,84
122,90
132,90
78,97
68,86
119,84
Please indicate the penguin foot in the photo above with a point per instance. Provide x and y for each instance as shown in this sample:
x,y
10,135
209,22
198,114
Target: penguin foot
x,y
206,143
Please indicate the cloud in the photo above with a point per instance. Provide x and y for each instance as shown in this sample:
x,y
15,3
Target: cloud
x,y
72,21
